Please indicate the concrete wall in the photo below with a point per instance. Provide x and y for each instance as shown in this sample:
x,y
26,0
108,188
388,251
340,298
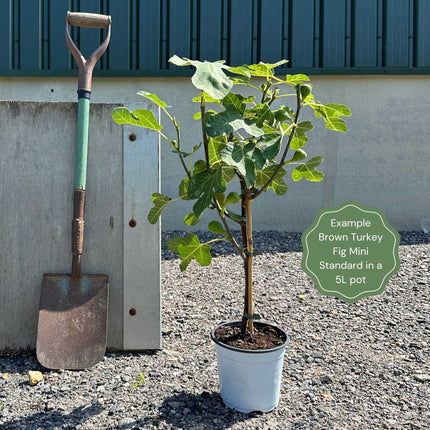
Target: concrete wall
x,y
383,161
37,142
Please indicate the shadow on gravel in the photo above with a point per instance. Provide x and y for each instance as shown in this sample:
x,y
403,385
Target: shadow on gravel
x,y
188,411
200,411
414,238
19,362
264,242
270,241
54,419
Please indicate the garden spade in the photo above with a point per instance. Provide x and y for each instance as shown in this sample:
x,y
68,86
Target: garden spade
x,y
73,307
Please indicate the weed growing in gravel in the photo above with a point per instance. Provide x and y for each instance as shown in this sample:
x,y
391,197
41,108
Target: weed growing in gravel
x,y
139,381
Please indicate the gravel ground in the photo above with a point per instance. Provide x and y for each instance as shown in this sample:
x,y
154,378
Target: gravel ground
x,y
348,366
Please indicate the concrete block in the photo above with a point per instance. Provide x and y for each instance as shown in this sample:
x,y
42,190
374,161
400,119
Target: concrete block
x,y
36,190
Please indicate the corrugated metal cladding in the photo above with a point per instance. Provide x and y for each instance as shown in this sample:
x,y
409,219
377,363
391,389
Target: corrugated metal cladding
x,y
318,36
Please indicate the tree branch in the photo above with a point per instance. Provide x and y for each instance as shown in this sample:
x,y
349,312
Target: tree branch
x,y
205,136
284,155
227,229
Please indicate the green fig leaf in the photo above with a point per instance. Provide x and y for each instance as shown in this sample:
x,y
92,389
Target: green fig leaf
x,y
190,248
299,155
191,219
237,156
202,187
160,202
331,114
208,77
234,216
140,117
300,137
293,80
278,185
154,98
217,228
229,121
309,170
260,69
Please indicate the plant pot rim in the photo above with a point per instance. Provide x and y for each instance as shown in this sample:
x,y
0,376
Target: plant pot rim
x,y
250,351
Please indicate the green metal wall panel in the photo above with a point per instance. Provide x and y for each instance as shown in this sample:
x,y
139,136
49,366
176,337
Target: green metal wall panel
x,y
316,36
5,37
44,54
179,28
120,47
304,33
333,33
365,33
396,46
89,38
149,35
29,34
59,57
15,35
271,47
210,30
422,33
240,33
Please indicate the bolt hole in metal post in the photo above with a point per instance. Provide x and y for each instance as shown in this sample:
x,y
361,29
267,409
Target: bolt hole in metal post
x,y
132,223
132,137
132,312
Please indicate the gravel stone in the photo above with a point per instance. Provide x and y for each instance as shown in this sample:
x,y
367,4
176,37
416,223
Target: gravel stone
x,y
348,366
422,378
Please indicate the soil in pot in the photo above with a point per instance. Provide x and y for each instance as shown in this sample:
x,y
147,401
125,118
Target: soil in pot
x,y
264,337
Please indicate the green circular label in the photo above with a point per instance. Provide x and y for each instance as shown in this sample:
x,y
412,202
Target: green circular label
x,y
350,251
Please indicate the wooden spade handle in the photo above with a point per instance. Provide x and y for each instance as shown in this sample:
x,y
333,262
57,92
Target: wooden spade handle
x,y
86,66
93,20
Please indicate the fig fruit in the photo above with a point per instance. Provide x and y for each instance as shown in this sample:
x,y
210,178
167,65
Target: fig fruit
x,y
305,90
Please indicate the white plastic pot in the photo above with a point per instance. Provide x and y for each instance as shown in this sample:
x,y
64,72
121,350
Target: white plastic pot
x,y
250,380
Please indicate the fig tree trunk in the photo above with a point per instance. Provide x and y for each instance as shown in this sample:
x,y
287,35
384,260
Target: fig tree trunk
x,y
247,239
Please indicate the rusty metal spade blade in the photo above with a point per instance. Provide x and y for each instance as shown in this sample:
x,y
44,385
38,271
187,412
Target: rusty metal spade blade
x,y
72,321
71,331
